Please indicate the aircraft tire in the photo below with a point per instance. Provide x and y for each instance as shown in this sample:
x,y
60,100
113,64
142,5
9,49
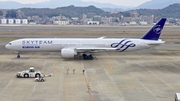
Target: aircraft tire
x,y
85,57
18,56
90,57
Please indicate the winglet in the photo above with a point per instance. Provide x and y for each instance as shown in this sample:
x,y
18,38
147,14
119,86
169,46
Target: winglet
x,y
155,32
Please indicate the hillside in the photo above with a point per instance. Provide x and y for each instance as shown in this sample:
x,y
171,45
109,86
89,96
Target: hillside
x,y
172,11
54,4
157,4
69,11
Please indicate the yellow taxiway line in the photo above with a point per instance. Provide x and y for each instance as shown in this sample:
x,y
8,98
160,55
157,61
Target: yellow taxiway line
x,y
86,78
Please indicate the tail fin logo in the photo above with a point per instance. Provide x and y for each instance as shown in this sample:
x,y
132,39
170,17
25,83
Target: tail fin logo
x,y
157,29
155,32
123,45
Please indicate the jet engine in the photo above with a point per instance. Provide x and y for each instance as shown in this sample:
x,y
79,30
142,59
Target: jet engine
x,y
68,53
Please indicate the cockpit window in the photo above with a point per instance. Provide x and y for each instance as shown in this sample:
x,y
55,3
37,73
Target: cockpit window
x,y
10,43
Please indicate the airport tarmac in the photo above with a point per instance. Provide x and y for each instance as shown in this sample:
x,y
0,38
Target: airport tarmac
x,y
147,75
132,76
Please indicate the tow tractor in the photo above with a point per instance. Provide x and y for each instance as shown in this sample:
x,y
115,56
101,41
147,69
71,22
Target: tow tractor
x,y
29,73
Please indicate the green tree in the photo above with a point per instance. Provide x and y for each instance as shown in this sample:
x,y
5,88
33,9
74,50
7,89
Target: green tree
x,y
1,13
11,14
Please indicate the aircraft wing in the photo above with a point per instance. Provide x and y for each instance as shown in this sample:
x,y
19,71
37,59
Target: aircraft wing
x,y
89,49
92,49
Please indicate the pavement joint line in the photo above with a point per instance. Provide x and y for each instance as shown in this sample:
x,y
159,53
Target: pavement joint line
x,y
6,86
2,65
87,81
108,71
160,79
113,83
31,91
61,85
115,86
144,87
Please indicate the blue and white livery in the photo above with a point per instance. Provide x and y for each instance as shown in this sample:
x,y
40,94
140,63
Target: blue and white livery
x,y
70,47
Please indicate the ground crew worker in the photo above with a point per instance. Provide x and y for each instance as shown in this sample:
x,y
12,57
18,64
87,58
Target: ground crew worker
x,y
83,71
74,71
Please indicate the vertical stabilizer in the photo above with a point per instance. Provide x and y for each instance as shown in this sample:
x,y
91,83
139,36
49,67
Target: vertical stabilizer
x,y
155,32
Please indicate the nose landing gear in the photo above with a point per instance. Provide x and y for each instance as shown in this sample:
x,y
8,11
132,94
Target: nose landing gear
x,y
18,55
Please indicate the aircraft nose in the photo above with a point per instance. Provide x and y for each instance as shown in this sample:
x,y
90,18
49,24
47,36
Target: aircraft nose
x,y
7,46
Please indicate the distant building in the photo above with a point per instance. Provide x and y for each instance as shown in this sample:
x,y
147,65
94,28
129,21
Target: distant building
x,y
35,18
56,22
148,19
122,19
134,14
75,18
127,19
93,22
17,21
3,21
90,15
115,19
132,23
104,20
10,21
61,22
97,18
14,21
143,23
60,17
84,16
24,21
152,19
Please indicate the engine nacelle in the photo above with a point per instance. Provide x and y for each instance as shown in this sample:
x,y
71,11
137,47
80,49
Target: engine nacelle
x,y
68,53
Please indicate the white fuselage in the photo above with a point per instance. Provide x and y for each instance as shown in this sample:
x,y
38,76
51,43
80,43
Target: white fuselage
x,y
56,44
71,47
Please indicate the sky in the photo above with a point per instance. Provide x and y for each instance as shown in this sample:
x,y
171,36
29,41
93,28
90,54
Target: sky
x,y
116,2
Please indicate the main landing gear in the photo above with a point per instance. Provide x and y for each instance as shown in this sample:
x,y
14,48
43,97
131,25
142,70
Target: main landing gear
x,y
87,57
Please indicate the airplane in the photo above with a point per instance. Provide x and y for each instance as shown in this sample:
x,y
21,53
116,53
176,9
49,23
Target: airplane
x,y
71,47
